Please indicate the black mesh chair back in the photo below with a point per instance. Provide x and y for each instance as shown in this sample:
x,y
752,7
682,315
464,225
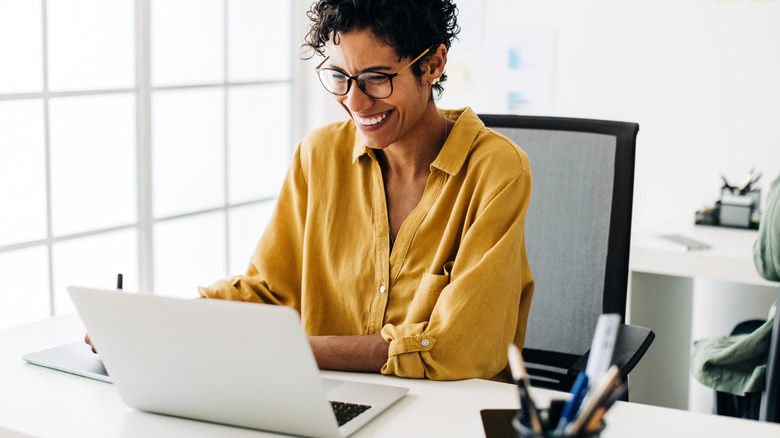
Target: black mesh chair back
x,y
578,230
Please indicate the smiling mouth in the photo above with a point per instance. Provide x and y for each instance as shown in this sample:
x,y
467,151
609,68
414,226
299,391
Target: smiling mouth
x,y
372,120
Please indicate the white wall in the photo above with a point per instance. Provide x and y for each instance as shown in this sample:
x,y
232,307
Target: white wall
x,y
701,77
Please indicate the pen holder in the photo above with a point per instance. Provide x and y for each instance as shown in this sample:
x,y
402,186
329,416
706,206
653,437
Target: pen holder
x,y
548,418
738,210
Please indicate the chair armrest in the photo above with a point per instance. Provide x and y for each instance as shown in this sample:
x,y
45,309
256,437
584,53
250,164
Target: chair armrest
x,y
556,370
632,343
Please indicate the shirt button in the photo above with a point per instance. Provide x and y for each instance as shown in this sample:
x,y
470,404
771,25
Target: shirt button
x,y
382,289
425,342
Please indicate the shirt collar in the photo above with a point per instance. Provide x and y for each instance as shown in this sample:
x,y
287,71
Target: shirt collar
x,y
458,145
455,150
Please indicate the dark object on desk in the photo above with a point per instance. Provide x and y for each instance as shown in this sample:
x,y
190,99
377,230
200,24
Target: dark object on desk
x,y
579,261
738,206
498,423
711,216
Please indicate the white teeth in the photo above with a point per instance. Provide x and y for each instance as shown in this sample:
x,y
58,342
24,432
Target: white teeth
x,y
373,121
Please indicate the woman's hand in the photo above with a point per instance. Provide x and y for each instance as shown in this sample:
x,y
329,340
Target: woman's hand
x,y
89,342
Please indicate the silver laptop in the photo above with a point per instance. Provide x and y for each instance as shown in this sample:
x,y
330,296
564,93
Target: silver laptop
x,y
241,364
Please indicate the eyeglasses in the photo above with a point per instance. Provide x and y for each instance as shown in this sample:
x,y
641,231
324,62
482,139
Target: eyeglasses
x,y
374,84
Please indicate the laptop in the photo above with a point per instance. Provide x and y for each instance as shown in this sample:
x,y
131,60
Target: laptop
x,y
241,364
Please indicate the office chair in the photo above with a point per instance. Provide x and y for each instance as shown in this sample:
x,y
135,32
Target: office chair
x,y
577,232
770,401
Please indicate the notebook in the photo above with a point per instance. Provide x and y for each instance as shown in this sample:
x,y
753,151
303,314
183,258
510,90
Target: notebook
x,y
75,358
240,364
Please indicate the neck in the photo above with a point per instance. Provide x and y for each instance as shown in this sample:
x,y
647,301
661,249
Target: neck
x,y
412,159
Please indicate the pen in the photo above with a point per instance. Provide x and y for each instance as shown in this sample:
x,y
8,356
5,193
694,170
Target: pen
x,y
749,186
119,279
520,376
571,407
596,399
595,421
726,184
741,189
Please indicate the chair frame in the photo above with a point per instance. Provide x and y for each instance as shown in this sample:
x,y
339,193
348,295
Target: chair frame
x,y
633,341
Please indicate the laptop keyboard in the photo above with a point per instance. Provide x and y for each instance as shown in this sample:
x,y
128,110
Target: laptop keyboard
x,y
347,411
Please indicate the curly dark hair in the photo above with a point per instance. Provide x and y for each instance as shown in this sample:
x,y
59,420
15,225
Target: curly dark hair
x,y
409,26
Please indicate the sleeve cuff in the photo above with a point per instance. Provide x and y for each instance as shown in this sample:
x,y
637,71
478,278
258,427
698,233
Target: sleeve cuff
x,y
406,344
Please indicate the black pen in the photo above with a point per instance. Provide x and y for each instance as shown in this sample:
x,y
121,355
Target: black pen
x,y
119,281
520,376
726,184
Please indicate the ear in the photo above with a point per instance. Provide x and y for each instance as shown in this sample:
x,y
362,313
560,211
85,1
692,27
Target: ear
x,y
434,68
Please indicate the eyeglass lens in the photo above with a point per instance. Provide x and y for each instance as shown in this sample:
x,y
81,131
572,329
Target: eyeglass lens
x,y
376,85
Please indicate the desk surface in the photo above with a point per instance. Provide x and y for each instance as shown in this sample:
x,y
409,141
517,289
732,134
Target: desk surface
x,y
46,403
730,257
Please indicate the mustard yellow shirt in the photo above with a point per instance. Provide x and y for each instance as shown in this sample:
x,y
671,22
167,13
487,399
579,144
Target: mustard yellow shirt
x,y
456,288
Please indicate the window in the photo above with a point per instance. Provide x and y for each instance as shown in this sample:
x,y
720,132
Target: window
x,y
145,137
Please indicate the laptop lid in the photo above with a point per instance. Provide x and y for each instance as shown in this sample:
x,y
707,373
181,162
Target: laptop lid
x,y
235,363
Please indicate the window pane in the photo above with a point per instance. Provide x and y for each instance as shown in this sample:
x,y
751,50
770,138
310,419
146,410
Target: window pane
x,y
22,172
187,42
246,226
259,40
93,162
188,253
91,44
187,150
24,296
259,141
94,262
20,46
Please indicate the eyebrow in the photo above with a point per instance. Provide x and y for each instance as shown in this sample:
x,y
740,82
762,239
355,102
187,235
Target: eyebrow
x,y
365,70
372,68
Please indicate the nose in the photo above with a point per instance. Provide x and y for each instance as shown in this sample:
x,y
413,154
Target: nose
x,y
356,100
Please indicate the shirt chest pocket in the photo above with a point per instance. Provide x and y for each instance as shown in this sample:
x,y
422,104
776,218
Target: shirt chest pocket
x,y
436,282
427,294
433,282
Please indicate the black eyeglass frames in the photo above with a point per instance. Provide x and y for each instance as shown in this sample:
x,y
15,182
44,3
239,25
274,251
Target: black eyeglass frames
x,y
377,85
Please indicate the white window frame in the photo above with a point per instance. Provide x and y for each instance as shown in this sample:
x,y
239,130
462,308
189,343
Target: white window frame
x,y
144,91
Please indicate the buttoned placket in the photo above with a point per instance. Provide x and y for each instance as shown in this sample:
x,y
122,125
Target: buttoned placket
x,y
382,251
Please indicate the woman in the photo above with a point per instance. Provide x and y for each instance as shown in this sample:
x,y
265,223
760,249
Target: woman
x,y
398,234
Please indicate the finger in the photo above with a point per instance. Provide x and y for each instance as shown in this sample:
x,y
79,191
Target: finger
x,y
89,342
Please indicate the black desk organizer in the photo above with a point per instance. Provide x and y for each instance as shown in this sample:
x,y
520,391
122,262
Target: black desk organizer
x,y
732,210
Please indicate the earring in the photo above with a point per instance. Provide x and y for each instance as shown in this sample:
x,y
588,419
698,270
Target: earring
x,y
435,81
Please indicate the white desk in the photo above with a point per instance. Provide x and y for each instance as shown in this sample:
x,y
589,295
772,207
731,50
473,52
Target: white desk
x,y
47,403
687,295
729,259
